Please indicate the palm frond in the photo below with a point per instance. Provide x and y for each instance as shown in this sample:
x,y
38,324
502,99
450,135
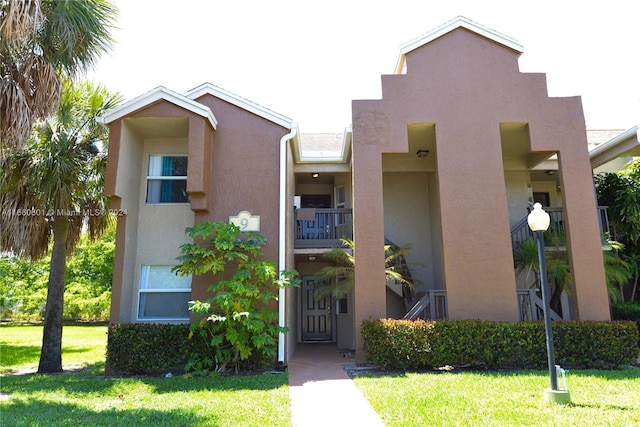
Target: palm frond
x,y
59,174
41,40
18,18
16,119
77,33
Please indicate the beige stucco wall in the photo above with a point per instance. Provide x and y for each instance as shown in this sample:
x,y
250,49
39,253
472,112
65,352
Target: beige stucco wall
x,y
126,185
161,227
407,221
555,194
518,186
154,232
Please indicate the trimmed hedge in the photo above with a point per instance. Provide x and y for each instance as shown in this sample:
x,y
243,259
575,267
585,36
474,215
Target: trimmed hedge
x,y
626,311
156,349
148,349
418,344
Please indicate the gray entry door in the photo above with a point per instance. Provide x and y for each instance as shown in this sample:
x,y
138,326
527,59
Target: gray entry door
x,y
316,313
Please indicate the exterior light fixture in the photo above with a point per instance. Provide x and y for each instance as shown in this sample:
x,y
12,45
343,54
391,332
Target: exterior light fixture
x,y
312,258
539,221
550,172
315,175
422,153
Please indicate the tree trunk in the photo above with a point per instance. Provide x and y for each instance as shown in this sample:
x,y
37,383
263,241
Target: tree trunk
x,y
51,354
554,302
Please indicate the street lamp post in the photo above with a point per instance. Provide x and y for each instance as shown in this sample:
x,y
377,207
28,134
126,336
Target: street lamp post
x,y
538,221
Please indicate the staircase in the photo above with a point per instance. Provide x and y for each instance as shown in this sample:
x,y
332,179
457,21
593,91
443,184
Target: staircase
x,y
432,305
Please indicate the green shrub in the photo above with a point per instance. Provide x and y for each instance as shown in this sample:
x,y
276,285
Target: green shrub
x,y
626,311
405,344
401,344
238,320
147,349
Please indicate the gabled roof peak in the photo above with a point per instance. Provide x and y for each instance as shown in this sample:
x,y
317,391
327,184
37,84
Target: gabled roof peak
x,y
449,26
225,95
156,94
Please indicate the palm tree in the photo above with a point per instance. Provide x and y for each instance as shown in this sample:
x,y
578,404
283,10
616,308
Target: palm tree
x,y
525,256
41,40
51,190
633,260
620,191
617,271
340,276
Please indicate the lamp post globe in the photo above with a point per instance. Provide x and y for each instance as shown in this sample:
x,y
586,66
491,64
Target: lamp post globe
x,y
539,221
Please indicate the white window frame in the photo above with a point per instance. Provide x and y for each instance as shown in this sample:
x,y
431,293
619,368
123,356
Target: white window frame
x,y
155,162
145,289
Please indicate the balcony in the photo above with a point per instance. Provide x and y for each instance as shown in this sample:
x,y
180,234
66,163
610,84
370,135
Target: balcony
x,y
322,228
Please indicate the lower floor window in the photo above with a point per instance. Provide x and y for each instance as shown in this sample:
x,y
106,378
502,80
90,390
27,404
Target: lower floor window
x,y
163,294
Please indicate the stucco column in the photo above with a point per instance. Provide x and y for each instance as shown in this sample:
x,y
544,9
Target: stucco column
x,y
564,133
368,231
199,163
118,264
477,257
584,246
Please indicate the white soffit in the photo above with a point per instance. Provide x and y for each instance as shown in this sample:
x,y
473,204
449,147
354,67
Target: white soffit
x,y
625,144
157,94
245,104
447,27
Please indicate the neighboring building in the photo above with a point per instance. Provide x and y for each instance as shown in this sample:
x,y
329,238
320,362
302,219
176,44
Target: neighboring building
x,y
449,161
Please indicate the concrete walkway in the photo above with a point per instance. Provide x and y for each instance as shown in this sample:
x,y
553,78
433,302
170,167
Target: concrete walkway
x,y
322,393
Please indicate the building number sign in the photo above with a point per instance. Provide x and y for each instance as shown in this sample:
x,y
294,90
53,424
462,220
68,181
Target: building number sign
x,y
246,221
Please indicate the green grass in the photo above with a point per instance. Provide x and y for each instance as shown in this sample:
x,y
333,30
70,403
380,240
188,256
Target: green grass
x,y
598,398
87,398
81,346
82,399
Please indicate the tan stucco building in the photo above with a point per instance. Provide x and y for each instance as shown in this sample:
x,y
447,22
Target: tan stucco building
x,y
449,160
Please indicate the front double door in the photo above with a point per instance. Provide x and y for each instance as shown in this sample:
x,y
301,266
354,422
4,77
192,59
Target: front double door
x,y
317,317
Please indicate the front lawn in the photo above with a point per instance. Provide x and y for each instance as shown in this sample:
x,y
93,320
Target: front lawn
x,y
598,398
82,346
84,397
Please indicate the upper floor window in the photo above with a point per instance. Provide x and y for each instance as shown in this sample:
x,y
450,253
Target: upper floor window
x,y
167,179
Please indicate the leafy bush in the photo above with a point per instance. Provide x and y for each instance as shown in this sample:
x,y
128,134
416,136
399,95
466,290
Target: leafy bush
x,y
237,321
87,296
406,344
626,311
147,349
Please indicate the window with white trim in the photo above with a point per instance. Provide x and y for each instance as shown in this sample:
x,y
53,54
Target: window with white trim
x,y
167,179
163,294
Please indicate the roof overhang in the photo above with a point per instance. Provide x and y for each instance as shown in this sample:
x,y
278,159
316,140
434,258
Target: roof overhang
x,y
458,22
624,145
155,95
245,104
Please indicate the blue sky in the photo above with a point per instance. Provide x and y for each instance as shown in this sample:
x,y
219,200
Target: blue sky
x,y
307,59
